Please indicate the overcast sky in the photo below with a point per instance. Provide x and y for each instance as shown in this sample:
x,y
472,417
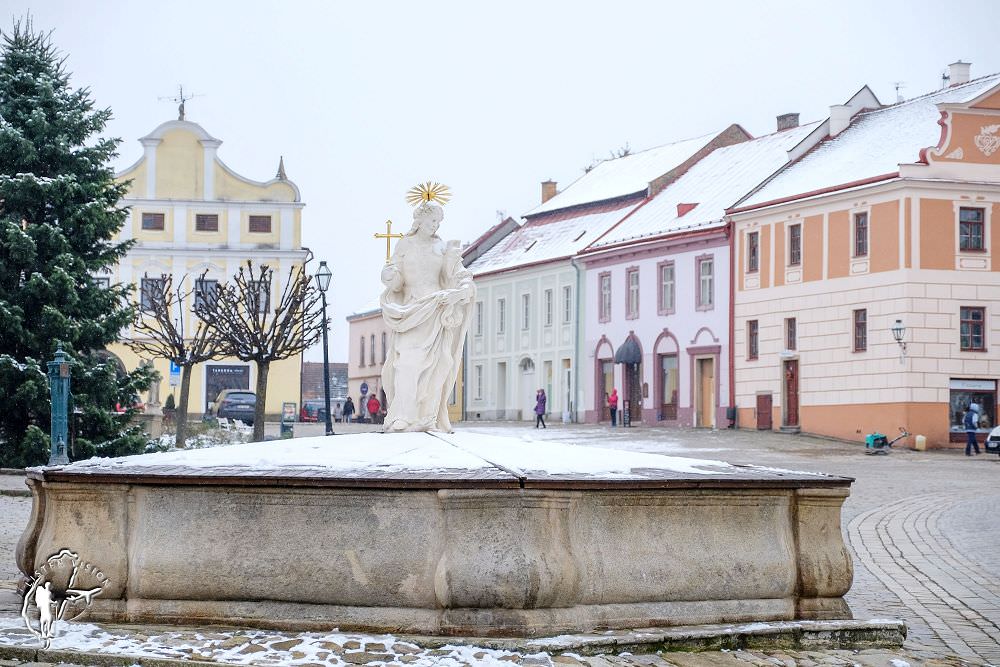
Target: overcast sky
x,y
366,99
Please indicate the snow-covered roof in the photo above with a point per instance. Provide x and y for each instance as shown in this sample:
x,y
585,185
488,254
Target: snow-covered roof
x,y
875,144
538,242
713,184
623,176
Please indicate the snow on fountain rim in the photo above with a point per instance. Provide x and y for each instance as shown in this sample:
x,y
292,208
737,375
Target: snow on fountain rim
x,y
416,452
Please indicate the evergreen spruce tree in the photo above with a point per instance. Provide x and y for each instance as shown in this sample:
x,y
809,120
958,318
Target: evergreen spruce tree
x,y
59,213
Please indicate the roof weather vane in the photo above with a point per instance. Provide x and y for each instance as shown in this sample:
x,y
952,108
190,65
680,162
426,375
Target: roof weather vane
x,y
180,98
428,192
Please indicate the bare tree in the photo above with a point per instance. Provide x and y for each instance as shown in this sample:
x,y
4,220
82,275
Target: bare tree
x,y
159,328
249,329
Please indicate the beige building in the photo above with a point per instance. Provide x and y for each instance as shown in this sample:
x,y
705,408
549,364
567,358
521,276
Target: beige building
x,y
891,221
190,213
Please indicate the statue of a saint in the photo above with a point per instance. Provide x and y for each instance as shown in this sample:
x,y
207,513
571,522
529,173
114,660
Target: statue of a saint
x,y
427,305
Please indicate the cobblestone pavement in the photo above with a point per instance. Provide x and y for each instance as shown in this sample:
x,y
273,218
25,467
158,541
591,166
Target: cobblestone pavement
x,y
924,528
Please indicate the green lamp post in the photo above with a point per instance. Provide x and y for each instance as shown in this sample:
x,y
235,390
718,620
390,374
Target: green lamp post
x,y
59,391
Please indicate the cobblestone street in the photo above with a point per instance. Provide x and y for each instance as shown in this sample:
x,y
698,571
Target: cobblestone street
x,y
924,528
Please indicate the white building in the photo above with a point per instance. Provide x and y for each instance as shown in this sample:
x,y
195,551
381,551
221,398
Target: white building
x,y
526,327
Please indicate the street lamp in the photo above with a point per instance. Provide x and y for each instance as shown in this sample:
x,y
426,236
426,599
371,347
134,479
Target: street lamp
x,y
323,276
898,332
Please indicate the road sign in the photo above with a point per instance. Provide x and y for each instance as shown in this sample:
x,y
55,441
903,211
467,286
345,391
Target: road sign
x,y
364,388
175,374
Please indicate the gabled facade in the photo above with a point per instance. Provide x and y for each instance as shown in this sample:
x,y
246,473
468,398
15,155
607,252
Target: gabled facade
x,y
190,213
657,284
527,329
890,222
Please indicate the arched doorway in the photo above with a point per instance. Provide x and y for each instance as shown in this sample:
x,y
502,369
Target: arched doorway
x,y
629,355
604,378
667,376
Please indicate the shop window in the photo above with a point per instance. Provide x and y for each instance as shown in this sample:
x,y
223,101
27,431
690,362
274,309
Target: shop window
x,y
963,393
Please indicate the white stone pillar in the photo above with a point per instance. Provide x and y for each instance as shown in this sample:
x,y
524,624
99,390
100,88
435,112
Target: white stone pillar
x,y
235,221
210,146
287,223
180,226
149,145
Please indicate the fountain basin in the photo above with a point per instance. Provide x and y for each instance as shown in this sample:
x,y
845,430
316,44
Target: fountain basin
x,y
460,534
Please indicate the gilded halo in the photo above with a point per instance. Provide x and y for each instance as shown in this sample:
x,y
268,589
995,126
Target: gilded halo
x,y
428,192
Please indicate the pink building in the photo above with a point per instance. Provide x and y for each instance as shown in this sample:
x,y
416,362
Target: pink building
x,y
657,323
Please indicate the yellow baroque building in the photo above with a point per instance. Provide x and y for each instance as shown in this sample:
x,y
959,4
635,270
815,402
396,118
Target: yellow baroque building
x,y
190,213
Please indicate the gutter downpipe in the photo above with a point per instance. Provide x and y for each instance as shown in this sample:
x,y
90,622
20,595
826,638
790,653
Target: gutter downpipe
x,y
731,231
576,345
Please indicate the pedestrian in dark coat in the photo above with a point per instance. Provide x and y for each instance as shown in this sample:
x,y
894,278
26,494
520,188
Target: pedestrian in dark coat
x,y
348,409
540,408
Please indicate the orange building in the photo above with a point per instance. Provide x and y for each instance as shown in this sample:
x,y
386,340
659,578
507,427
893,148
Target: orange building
x,y
888,222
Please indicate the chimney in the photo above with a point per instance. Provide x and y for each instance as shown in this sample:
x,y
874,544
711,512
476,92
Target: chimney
x,y
840,118
787,121
958,73
548,190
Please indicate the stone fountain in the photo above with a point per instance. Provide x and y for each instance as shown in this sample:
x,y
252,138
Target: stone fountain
x,y
425,531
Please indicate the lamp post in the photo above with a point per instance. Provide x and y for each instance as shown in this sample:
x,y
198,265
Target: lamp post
x,y
898,332
323,276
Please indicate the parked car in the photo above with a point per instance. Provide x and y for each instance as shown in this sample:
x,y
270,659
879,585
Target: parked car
x,y
235,404
993,441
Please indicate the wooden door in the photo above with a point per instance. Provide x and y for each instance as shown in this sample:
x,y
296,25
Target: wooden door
x,y
706,393
763,412
792,392
607,383
669,385
633,375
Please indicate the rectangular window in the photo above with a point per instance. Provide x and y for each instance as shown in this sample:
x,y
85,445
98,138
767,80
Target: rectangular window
x,y
860,330
151,293
385,345
548,307
479,318
206,222
604,309
667,288
706,280
361,361
501,316
753,252
102,282
971,229
205,293
795,245
260,224
525,311
860,234
972,329
260,296
153,221
567,304
753,339
479,382
790,334
632,279
371,351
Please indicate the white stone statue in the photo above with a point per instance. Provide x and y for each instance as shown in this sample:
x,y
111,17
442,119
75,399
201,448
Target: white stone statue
x,y
427,305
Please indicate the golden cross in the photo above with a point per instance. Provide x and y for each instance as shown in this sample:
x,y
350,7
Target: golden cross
x,y
388,236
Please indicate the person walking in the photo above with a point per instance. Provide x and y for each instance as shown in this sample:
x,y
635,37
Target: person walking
x,y
540,408
613,406
373,408
348,410
971,423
